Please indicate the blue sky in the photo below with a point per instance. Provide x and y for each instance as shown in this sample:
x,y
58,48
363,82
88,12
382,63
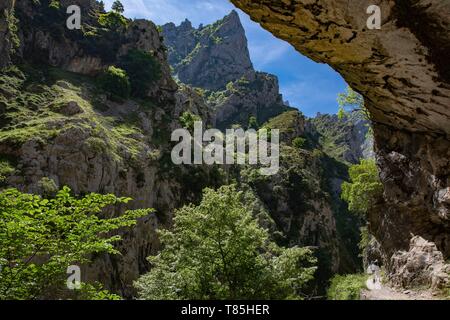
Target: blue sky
x,y
309,86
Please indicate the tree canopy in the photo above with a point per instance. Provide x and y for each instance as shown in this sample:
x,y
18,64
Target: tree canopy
x,y
143,69
364,187
41,237
351,101
117,6
217,250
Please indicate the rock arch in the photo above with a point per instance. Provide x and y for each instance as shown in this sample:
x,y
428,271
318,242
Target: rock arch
x,y
403,71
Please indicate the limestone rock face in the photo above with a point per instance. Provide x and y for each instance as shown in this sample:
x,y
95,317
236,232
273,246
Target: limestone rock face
x,y
49,41
256,94
346,139
216,59
208,57
422,265
99,145
89,153
403,72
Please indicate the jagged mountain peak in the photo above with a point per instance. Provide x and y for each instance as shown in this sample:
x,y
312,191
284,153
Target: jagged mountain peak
x,y
209,56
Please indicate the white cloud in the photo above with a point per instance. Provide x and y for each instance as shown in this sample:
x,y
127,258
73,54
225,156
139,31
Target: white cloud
x,y
163,11
265,53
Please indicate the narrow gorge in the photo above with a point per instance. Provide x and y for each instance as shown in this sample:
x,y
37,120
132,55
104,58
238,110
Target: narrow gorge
x,y
62,126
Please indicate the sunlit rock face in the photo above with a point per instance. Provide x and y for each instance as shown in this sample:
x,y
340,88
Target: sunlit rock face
x,y
403,72
208,57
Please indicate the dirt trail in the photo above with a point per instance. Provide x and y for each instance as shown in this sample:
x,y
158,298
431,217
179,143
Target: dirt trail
x,y
386,293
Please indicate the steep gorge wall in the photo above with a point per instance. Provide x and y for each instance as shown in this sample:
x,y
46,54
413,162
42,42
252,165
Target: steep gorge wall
x,y
403,72
5,41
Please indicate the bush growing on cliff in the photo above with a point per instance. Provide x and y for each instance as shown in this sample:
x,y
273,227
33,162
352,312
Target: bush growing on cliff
x,y
143,70
116,82
364,188
351,101
187,120
299,143
41,237
217,250
117,6
112,20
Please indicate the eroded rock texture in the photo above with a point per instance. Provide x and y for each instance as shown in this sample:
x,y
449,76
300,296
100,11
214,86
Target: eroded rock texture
x,y
211,56
403,72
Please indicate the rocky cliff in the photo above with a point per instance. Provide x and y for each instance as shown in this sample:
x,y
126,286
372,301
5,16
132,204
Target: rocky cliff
x,y
255,95
216,59
57,128
348,139
403,72
208,57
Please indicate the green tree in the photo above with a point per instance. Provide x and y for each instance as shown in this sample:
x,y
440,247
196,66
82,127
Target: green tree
x,y
217,250
117,6
41,237
187,120
116,82
351,101
299,142
113,21
364,188
143,69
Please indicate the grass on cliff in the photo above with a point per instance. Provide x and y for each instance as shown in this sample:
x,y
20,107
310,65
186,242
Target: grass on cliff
x,y
32,99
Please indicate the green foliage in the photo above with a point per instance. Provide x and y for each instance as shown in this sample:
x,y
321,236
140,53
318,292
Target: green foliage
x,y
112,20
299,143
230,86
351,101
285,122
341,113
55,4
187,120
117,6
347,287
48,186
365,239
200,91
116,82
143,69
217,250
364,188
13,27
6,169
41,237
94,292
